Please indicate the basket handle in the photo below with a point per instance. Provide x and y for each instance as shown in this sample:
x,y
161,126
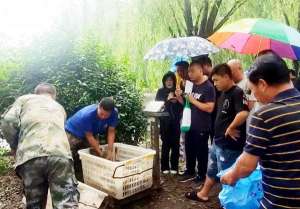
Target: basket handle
x,y
114,177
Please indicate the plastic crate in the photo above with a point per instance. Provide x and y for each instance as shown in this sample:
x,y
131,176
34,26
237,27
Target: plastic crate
x,y
130,173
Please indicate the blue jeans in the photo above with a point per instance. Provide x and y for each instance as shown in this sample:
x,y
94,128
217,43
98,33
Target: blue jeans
x,y
220,159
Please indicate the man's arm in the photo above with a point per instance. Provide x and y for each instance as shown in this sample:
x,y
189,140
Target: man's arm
x,y
10,124
242,111
111,136
245,165
239,119
209,103
93,142
204,106
256,146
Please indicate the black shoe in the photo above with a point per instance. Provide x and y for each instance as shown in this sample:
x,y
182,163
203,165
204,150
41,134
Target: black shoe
x,y
199,179
185,177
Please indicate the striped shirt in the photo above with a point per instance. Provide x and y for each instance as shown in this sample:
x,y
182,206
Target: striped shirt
x,y
274,136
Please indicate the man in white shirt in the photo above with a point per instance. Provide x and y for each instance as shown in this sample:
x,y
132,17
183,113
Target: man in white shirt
x,y
241,80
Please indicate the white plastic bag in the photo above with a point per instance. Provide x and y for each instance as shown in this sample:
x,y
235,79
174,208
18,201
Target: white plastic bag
x,y
186,117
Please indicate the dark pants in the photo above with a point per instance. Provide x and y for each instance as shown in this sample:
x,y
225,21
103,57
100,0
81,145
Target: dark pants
x,y
170,136
196,148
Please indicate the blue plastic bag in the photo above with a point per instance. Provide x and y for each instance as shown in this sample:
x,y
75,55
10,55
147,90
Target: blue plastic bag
x,y
246,193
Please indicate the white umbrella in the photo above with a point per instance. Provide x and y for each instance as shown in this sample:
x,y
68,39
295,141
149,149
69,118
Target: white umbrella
x,y
181,47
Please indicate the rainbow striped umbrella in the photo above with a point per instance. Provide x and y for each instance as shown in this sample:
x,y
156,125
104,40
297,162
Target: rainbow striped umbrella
x,y
250,36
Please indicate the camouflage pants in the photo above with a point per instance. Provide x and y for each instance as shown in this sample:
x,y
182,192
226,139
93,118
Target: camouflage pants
x,y
55,173
75,145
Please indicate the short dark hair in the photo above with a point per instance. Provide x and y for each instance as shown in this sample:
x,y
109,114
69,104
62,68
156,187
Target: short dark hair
x,y
196,62
203,59
266,51
107,103
183,64
222,69
271,68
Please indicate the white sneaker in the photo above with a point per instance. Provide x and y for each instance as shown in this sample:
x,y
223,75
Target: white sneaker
x,y
166,172
173,172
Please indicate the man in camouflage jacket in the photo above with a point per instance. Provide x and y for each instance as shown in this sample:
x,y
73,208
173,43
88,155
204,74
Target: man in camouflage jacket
x,y
34,128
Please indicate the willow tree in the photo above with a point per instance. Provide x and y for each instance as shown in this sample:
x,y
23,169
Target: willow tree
x,y
292,21
198,18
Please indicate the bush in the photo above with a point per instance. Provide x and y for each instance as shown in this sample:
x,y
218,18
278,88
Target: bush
x,y
82,76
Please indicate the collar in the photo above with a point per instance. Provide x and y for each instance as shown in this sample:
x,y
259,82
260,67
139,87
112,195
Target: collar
x,y
293,92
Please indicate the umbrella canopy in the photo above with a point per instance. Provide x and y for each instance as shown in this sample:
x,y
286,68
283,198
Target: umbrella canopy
x,y
180,47
252,35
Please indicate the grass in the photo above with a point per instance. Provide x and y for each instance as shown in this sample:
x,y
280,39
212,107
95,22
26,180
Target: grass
x,y
5,161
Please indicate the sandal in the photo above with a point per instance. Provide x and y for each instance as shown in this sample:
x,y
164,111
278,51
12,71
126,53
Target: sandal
x,y
193,196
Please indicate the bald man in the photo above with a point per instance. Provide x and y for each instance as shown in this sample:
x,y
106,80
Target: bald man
x,y
241,80
237,73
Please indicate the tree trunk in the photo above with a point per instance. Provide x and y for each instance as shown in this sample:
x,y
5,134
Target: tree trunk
x,y
212,17
296,63
188,17
202,27
206,26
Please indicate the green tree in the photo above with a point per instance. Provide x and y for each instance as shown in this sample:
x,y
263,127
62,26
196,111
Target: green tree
x,y
83,72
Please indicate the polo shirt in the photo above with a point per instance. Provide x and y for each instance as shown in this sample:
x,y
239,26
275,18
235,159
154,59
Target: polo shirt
x,y
87,120
274,136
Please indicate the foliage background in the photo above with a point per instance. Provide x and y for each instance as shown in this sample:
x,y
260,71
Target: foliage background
x,y
96,49
83,73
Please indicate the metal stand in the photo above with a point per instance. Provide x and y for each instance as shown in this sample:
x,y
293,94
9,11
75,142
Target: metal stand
x,y
154,129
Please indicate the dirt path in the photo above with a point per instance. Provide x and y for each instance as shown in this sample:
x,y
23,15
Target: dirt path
x,y
10,191
171,195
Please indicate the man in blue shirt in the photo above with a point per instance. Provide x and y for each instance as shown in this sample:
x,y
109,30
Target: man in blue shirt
x,y
85,124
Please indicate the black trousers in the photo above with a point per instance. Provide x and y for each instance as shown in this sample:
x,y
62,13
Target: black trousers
x,y
196,149
170,136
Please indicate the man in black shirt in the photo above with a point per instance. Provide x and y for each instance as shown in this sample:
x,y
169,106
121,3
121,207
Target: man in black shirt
x,y
206,63
202,101
230,129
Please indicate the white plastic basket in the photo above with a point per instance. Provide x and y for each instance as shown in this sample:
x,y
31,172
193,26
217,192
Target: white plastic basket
x,y
128,175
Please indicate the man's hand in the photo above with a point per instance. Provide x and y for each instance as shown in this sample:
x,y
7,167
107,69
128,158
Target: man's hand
x,y
110,155
229,178
233,133
191,99
93,143
178,92
96,152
